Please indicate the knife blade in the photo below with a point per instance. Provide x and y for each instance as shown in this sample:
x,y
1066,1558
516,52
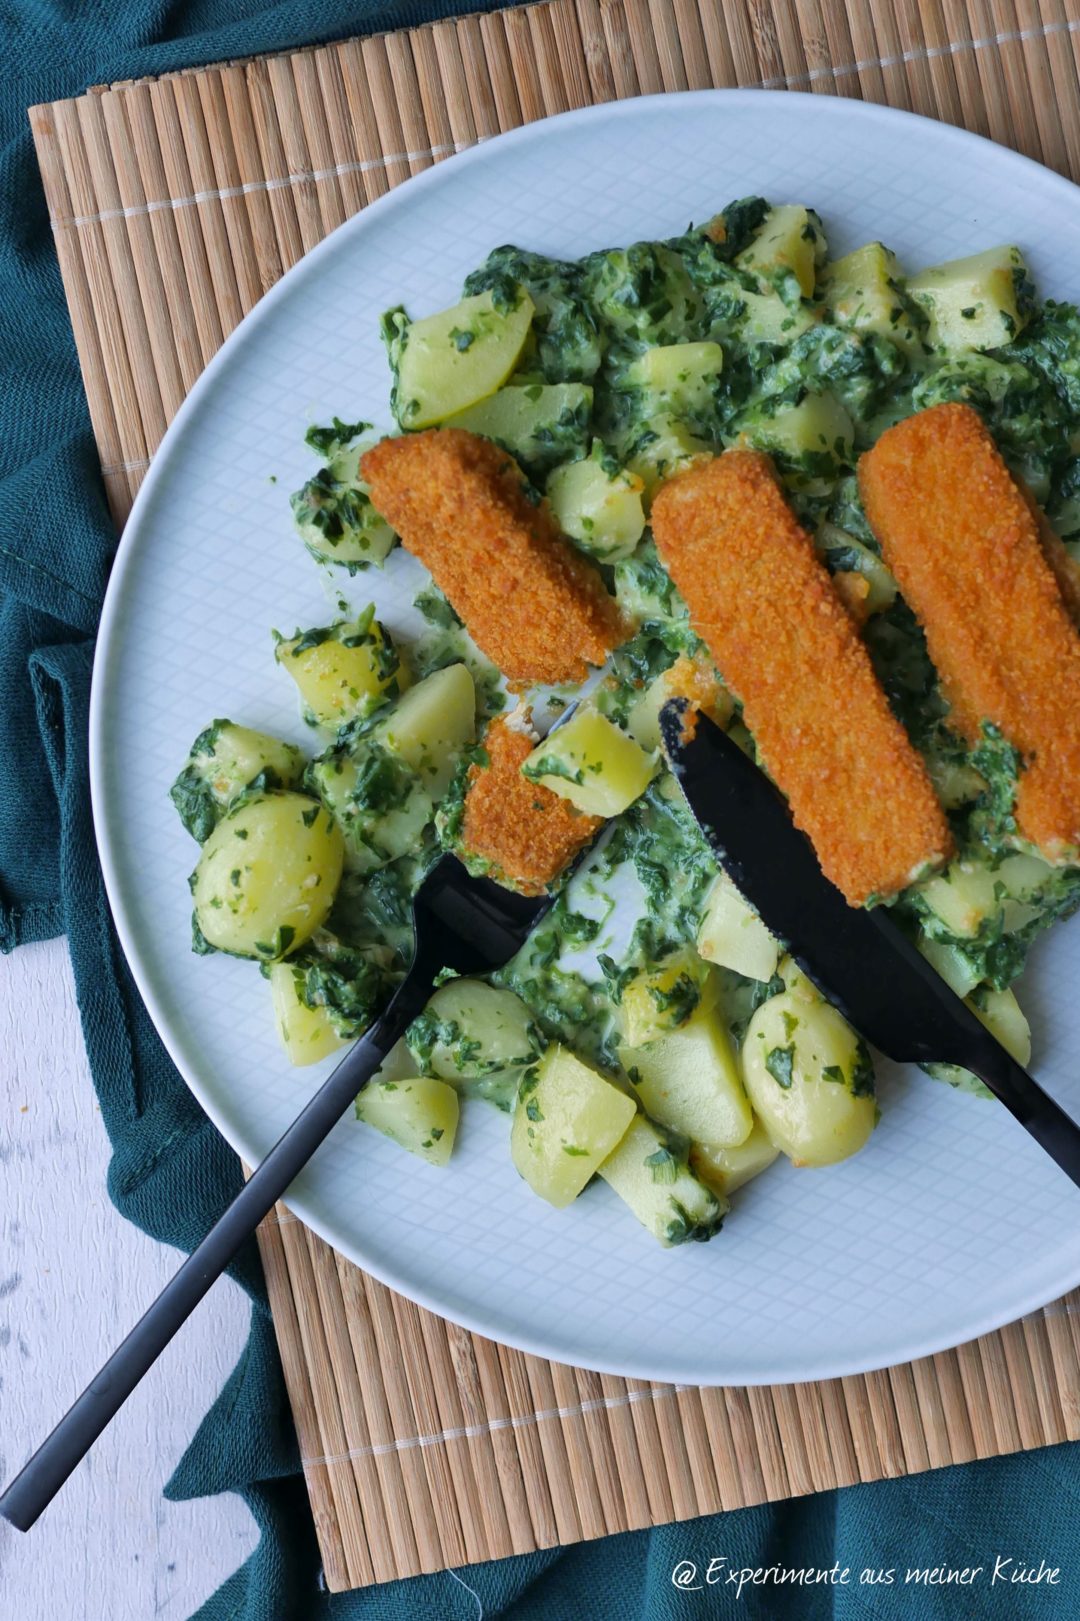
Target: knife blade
x,y
858,958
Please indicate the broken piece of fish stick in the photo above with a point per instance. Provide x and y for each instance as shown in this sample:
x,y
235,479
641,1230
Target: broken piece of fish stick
x,y
528,834
762,601
964,543
537,608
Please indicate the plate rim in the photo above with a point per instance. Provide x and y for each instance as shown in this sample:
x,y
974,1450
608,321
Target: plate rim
x,y
404,194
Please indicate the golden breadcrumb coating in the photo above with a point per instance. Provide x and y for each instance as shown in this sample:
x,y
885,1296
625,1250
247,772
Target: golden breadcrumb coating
x,y
964,544
536,607
1065,568
762,601
527,833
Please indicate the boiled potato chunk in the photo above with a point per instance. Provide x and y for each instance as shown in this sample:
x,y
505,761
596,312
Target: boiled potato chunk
x,y
378,803
726,1169
688,1079
652,1176
664,448
732,935
973,302
307,1033
957,970
767,319
567,1120
226,760
335,517
599,506
449,361
1003,1017
420,1114
970,892
593,764
681,376
540,423
662,997
790,242
809,1077
863,292
817,433
692,677
268,875
848,554
430,725
343,671
382,786
470,1028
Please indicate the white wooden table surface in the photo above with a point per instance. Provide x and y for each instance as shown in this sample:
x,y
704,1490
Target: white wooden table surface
x,y
73,1278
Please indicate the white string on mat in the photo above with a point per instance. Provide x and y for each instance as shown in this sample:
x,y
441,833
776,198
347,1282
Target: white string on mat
x,y
517,1421
278,183
467,1432
789,81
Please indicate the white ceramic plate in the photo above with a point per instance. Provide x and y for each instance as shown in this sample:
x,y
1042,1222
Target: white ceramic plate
x,y
951,1222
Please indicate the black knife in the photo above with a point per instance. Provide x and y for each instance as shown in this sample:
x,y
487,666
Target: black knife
x,y
859,959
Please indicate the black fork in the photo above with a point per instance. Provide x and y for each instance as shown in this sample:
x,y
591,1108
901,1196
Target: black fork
x,y
467,924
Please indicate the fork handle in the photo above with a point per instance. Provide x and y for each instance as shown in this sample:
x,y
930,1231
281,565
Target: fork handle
x,y
34,1488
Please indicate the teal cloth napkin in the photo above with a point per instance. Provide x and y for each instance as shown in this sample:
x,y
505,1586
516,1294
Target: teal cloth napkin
x,y
170,1172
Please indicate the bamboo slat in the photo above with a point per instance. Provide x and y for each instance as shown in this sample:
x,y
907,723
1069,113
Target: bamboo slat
x,y
175,205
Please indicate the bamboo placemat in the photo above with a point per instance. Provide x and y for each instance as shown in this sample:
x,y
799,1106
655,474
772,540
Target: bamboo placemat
x,y
175,205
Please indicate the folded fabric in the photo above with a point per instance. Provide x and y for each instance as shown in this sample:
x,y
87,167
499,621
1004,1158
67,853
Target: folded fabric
x,y
170,1171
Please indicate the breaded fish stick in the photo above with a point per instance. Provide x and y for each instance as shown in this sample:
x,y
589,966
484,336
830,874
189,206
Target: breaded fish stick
x,y
537,608
762,600
964,544
527,833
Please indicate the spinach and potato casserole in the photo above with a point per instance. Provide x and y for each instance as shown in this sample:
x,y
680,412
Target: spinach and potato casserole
x,y
835,506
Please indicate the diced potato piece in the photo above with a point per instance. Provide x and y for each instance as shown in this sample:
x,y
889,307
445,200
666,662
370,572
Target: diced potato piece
x,y
430,725
693,677
470,1028
599,506
307,1033
268,875
681,376
973,302
420,1114
537,422
343,671
955,969
767,319
816,435
809,1076
666,447
662,997
378,803
567,1120
1003,1017
226,760
732,935
653,1178
791,242
955,782
689,1080
964,897
863,292
382,787
449,361
335,517
845,552
726,1169
593,764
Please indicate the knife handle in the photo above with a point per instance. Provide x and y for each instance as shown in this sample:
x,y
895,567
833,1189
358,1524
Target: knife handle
x,y
1051,1127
